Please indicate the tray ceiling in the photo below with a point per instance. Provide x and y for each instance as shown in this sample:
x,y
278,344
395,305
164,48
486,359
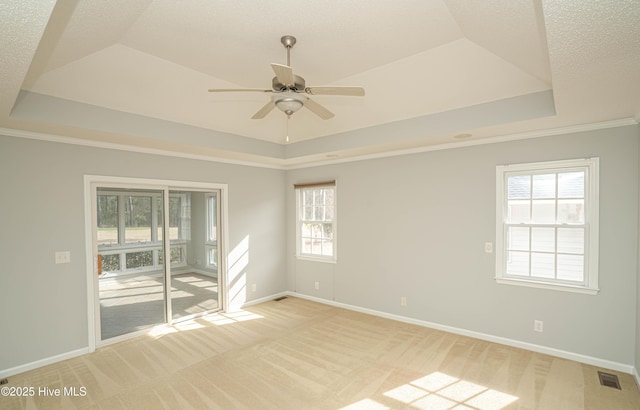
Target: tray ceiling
x,y
136,72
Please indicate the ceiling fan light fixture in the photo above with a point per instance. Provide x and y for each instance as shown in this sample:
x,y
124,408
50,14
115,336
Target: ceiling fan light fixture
x,y
289,105
288,102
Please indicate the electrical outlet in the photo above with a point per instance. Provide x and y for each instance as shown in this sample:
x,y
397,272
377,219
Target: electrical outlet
x,y
317,285
403,301
253,287
488,247
538,325
63,257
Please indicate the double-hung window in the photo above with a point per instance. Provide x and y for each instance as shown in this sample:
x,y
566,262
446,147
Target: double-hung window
x,y
547,225
316,221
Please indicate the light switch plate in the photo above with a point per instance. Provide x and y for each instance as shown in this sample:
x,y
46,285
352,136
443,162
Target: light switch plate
x,y
63,257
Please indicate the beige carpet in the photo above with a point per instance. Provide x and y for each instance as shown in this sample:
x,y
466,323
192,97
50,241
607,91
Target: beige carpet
x,y
297,354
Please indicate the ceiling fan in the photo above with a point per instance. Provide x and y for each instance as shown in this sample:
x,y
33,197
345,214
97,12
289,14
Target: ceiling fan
x,y
290,91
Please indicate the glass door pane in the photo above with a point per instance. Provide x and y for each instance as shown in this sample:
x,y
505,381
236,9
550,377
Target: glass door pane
x,y
193,248
130,270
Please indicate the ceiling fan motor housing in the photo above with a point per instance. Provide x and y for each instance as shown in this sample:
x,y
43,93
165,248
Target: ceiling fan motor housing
x,y
298,85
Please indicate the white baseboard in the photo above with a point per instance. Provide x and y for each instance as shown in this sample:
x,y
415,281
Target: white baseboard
x,y
593,361
43,362
637,377
266,299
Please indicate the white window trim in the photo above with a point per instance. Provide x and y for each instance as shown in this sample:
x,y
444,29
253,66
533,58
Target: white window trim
x,y
591,224
317,258
91,182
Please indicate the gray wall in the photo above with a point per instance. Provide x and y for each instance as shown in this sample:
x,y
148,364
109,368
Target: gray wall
x,y
415,226
637,361
44,305
412,226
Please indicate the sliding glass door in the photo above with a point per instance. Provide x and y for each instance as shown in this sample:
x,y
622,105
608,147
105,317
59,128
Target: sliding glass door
x,y
130,268
194,251
137,230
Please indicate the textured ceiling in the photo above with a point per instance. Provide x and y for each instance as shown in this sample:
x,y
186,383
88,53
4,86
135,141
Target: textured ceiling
x,y
126,72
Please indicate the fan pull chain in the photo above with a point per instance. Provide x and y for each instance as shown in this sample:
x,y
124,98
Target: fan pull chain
x,y
288,118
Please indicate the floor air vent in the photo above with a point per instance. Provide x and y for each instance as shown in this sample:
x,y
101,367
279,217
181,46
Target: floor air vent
x,y
4,381
609,380
280,298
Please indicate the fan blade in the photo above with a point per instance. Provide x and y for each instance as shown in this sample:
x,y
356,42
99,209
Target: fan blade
x,y
352,91
284,74
250,90
266,109
318,109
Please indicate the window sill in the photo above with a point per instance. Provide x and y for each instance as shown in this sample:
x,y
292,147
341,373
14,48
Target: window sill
x,y
550,286
316,259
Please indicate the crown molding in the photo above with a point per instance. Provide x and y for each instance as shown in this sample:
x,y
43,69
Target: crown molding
x,y
488,140
131,148
282,163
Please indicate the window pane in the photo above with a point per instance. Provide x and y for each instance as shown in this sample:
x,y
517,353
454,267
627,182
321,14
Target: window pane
x,y
328,196
110,263
316,246
571,240
176,255
542,265
179,215
518,239
212,257
544,211
327,248
319,213
160,218
107,220
571,211
543,239
318,196
307,197
327,231
137,227
519,187
212,216
306,245
306,229
328,213
571,267
316,231
518,263
544,186
571,185
519,212
139,259
307,213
